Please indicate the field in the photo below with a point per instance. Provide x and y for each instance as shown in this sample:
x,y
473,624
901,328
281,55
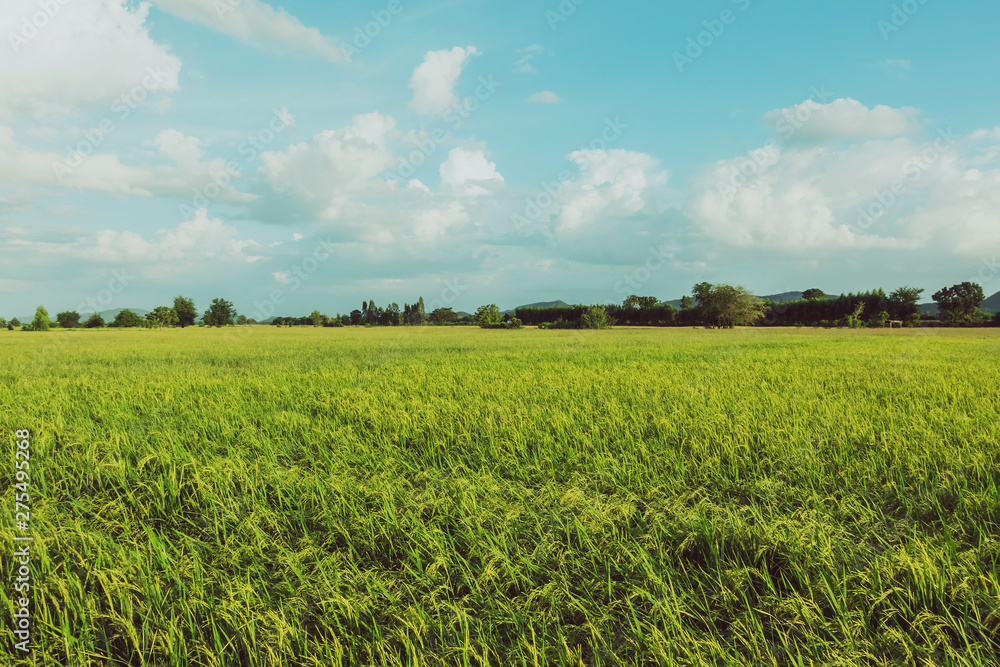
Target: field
x,y
436,496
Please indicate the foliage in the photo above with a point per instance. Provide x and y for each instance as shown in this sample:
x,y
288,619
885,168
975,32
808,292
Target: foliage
x,y
162,316
220,314
41,321
186,312
3,323
317,318
596,317
488,316
634,302
724,306
14,322
814,295
959,304
68,319
443,316
127,319
95,321
242,320
904,302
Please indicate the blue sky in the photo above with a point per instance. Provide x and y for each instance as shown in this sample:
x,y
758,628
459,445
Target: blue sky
x,y
566,151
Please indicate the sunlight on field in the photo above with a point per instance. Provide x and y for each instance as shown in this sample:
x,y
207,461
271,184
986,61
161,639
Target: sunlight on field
x,y
440,496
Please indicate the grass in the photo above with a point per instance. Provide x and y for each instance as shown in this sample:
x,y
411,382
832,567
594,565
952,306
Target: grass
x,y
465,497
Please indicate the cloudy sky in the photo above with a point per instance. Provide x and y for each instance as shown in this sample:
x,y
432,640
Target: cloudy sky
x,y
316,153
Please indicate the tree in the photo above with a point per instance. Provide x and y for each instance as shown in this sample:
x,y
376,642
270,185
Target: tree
x,y
959,304
3,323
903,302
317,318
357,317
41,321
725,306
814,295
487,316
68,320
126,319
242,320
219,314
15,322
596,317
162,316
186,312
687,303
95,321
443,316
420,317
640,302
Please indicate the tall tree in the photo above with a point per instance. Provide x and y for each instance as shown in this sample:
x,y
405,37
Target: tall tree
x,y
221,313
186,312
725,306
126,319
162,316
960,303
41,321
95,321
903,303
487,316
640,302
317,318
420,317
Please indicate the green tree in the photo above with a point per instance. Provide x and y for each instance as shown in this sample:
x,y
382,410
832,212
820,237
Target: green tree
x,y
162,316
3,323
443,316
186,312
317,318
596,317
126,319
725,306
487,316
69,319
41,321
814,295
687,303
904,302
242,320
14,322
219,314
640,302
959,304
95,321
420,317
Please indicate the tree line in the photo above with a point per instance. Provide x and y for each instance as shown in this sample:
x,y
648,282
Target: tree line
x,y
709,305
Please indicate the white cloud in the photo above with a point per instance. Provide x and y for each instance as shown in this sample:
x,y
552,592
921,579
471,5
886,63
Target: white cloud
x,y
899,193
842,119
612,184
435,222
89,55
335,165
469,173
433,81
544,97
296,236
256,24
524,65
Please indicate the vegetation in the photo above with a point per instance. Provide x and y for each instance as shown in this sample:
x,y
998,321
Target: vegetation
x,y
41,321
68,319
95,321
220,314
162,316
186,312
960,303
126,319
454,497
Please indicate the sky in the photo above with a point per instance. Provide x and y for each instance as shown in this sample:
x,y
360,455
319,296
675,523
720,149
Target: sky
x,y
311,155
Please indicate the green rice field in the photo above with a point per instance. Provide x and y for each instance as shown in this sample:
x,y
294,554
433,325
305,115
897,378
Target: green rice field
x,y
452,496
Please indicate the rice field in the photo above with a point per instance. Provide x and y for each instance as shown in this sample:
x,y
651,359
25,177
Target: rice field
x,y
454,496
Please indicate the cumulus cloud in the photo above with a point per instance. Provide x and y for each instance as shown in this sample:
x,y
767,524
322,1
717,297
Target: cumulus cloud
x,y
842,119
469,173
88,55
885,193
544,97
335,165
433,81
612,184
256,24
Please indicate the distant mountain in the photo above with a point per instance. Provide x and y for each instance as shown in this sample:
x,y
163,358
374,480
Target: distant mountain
x,y
928,309
992,304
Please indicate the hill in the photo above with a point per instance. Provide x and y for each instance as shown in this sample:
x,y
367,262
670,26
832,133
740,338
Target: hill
x,y
992,304
540,304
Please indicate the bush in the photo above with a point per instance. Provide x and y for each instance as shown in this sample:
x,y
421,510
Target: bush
x,y
596,317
